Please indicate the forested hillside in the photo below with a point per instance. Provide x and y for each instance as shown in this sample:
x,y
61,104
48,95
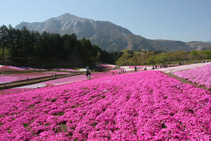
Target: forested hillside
x,y
130,57
49,50
30,48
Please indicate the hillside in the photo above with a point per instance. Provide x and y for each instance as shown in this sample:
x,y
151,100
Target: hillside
x,y
107,35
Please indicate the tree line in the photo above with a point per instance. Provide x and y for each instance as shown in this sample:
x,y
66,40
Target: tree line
x,y
28,47
130,57
48,50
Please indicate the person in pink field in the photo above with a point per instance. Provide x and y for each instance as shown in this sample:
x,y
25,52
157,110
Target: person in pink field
x,y
135,69
88,74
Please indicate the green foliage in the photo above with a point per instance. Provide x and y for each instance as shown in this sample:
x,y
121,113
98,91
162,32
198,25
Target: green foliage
x,y
194,54
162,58
207,54
25,46
4,39
153,58
126,58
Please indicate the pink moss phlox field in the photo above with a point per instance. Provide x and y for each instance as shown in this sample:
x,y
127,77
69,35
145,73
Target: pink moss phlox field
x,y
66,80
8,91
15,68
12,68
137,106
72,79
6,78
201,76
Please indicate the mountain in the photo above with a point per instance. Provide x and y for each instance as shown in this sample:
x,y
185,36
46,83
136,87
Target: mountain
x,y
107,35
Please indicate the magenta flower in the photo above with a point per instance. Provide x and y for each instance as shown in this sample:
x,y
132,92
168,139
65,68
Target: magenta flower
x,y
136,106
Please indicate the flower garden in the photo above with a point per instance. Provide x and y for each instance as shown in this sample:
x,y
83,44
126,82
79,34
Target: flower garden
x,y
7,78
14,68
201,76
146,105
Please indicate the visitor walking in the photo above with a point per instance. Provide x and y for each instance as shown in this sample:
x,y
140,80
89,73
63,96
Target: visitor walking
x,y
135,69
88,74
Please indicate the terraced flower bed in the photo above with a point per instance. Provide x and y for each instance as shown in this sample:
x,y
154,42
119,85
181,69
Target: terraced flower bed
x,y
200,76
6,78
71,79
5,68
137,106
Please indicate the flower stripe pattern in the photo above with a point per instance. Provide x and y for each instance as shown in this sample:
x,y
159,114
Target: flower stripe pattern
x,y
137,106
201,76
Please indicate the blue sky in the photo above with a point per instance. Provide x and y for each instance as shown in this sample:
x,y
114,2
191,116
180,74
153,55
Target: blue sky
x,y
184,20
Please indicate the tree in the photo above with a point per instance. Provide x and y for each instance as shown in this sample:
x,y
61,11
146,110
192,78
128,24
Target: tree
x,y
86,50
162,59
207,54
126,58
13,36
194,54
36,41
69,42
27,44
4,38
151,60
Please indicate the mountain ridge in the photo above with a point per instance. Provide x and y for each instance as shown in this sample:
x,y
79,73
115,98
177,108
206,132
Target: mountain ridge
x,y
107,35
